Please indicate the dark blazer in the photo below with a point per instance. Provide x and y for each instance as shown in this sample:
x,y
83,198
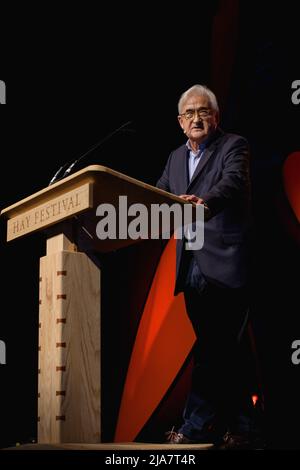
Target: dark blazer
x,y
222,179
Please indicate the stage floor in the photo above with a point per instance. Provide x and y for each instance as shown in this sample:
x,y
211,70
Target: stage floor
x,y
139,446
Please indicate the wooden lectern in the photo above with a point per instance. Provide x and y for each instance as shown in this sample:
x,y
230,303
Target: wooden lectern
x,y
69,380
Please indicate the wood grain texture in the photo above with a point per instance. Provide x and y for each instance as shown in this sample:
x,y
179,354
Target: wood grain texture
x,y
40,210
59,242
69,360
53,210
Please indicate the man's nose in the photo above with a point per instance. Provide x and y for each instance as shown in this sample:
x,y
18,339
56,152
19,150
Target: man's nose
x,y
197,118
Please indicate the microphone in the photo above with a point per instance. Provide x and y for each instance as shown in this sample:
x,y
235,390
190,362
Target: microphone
x,y
55,177
72,163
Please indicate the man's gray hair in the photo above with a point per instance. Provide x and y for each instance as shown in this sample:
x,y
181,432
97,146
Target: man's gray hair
x,y
198,90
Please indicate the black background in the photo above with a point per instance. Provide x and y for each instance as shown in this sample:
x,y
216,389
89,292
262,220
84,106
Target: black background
x,y
73,77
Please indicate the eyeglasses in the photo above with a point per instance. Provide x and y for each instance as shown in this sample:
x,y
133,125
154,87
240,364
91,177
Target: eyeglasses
x,y
202,113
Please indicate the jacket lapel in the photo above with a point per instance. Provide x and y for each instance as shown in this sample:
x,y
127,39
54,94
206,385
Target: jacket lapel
x,y
206,156
183,175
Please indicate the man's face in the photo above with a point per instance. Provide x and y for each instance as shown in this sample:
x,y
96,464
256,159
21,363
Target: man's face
x,y
197,119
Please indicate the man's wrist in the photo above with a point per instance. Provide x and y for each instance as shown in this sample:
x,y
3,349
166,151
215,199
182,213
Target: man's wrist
x,y
207,211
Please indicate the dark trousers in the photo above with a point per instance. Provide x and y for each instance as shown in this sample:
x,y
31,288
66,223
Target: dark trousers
x,y
219,397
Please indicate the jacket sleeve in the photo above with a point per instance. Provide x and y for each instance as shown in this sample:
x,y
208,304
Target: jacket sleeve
x,y
164,182
234,186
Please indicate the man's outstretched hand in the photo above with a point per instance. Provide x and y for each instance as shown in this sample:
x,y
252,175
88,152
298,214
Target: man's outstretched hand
x,y
197,200
192,198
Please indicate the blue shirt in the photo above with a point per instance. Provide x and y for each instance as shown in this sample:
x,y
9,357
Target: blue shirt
x,y
194,158
195,278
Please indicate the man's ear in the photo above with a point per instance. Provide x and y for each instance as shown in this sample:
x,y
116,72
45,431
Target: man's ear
x,y
180,122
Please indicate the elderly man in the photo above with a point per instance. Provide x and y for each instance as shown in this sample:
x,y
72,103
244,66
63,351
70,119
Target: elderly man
x,y
212,168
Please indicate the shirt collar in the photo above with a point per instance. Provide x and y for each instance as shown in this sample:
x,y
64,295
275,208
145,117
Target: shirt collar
x,y
200,149
203,145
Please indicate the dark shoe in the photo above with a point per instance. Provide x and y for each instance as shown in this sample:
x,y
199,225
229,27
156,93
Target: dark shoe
x,y
173,437
241,442
234,442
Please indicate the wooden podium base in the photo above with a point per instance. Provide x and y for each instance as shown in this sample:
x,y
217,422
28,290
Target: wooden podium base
x,y
69,346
